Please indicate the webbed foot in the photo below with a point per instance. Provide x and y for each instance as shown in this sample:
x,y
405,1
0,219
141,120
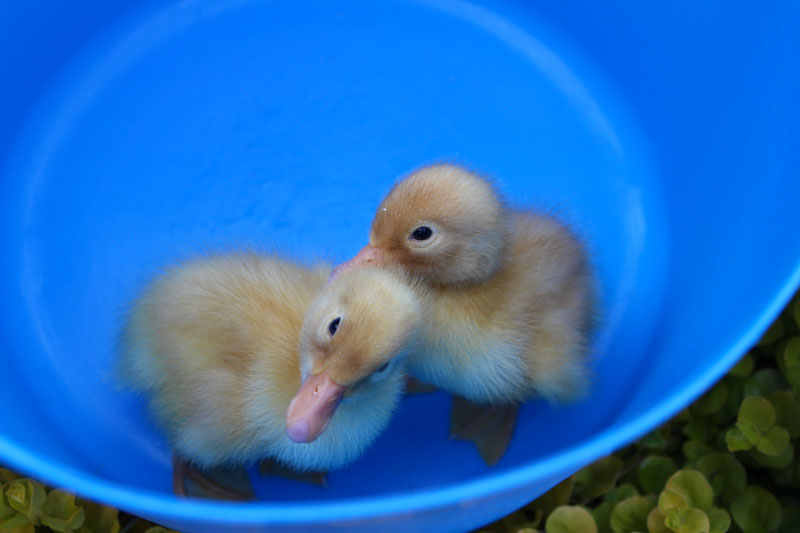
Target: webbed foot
x,y
183,471
269,467
489,427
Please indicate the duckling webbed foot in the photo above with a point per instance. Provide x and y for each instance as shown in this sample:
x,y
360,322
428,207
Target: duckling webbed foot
x,y
489,427
269,467
183,471
415,386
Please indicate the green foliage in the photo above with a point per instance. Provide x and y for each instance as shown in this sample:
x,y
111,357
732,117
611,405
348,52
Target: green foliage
x,y
555,497
712,401
744,367
100,519
726,463
756,427
684,490
790,362
566,519
774,333
787,411
61,513
764,382
631,514
654,472
597,478
27,506
756,510
725,474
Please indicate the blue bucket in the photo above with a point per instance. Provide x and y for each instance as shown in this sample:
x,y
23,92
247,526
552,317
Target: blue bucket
x,y
136,133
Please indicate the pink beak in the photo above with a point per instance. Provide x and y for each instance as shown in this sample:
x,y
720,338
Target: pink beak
x,y
312,407
369,255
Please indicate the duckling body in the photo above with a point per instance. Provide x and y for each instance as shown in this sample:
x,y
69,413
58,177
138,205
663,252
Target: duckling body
x,y
521,333
510,292
224,350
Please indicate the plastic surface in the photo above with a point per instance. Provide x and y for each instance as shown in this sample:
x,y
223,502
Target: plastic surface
x,y
134,134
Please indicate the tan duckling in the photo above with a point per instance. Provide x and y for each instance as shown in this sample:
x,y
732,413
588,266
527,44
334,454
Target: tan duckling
x,y
245,357
511,295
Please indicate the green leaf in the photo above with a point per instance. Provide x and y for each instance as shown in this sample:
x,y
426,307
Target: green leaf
x,y
756,510
764,382
781,460
774,441
688,521
602,516
6,511
656,522
6,476
719,519
744,367
654,472
99,518
736,440
670,499
756,421
712,401
570,519
623,492
597,478
692,486
16,522
26,527
756,412
790,357
60,513
631,514
787,411
26,496
725,474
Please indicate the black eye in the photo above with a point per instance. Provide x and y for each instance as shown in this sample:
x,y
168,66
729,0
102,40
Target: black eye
x,y
334,325
382,368
422,233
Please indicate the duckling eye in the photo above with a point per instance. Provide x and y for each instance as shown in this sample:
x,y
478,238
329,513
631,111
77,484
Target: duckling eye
x,y
334,325
382,368
422,233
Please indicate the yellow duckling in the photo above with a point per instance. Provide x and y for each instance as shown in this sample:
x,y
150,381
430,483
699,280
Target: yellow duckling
x,y
245,357
511,297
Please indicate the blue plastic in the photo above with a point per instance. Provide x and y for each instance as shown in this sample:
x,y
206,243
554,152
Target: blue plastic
x,y
135,133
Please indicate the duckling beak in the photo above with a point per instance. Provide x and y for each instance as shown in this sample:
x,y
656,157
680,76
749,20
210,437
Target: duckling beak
x,y
368,255
312,407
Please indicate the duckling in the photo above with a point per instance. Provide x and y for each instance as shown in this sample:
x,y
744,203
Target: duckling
x,y
511,294
246,357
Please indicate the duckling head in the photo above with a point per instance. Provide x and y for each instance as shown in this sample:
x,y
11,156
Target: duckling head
x,y
352,344
441,223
